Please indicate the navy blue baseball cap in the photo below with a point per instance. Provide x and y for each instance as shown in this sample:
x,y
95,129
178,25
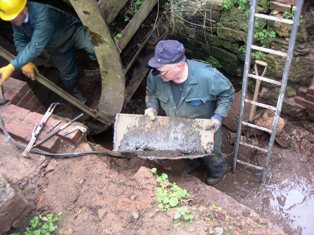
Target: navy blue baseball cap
x,y
167,52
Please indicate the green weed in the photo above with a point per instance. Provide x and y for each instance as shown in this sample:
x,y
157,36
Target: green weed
x,y
214,62
41,225
170,195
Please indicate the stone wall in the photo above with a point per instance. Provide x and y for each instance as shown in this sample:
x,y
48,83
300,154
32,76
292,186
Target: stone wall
x,y
210,30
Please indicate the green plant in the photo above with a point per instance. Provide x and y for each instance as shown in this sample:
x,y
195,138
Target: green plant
x,y
134,7
259,55
42,225
262,35
170,195
241,4
117,36
213,61
290,15
183,213
227,4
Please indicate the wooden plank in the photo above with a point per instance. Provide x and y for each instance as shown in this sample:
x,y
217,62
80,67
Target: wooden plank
x,y
135,23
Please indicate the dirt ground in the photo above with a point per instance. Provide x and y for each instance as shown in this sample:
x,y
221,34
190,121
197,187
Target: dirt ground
x,y
101,195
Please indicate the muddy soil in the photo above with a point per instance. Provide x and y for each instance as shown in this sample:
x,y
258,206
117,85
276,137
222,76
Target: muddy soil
x,y
287,197
101,195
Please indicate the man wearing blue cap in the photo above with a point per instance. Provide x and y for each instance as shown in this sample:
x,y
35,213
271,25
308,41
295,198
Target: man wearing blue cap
x,y
189,89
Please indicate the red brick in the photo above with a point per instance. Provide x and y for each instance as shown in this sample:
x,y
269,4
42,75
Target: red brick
x,y
279,6
15,89
22,131
25,99
289,2
309,97
33,104
76,137
308,104
10,111
33,117
311,90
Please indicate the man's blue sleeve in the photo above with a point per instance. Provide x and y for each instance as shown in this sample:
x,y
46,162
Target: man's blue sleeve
x,y
43,29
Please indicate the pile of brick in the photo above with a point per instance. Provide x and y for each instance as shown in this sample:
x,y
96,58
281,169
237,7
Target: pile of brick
x,y
23,112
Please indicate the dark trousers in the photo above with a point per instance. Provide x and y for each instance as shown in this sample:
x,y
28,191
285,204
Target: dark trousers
x,y
215,164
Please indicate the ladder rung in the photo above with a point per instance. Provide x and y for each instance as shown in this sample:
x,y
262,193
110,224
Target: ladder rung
x,y
250,165
254,147
270,51
264,79
266,106
274,18
256,127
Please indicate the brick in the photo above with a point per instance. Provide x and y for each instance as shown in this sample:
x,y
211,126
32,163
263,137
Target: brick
x,y
280,6
288,2
33,117
25,99
76,137
13,207
10,111
22,131
15,89
309,97
307,104
311,90
33,103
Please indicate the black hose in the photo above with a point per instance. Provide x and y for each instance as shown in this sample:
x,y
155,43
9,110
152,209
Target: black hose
x,y
65,155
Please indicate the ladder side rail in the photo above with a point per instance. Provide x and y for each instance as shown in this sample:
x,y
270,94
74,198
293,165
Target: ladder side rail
x,y
247,63
283,85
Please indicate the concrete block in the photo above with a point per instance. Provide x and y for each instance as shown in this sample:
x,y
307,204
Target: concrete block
x,y
166,137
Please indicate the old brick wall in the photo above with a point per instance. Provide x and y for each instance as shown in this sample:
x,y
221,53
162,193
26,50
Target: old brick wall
x,y
213,33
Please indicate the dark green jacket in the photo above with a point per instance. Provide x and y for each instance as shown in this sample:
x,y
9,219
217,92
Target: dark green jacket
x,y
206,92
51,29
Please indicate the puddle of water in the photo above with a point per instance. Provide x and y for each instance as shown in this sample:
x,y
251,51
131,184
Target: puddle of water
x,y
289,203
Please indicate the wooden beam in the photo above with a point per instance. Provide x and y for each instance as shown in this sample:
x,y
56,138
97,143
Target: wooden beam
x,y
135,23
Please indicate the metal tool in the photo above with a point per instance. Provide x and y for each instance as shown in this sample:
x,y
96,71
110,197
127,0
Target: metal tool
x,y
57,131
38,128
76,128
54,126
3,100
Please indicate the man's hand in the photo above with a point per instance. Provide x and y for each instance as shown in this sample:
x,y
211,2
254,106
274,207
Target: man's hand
x,y
151,113
5,73
214,123
30,70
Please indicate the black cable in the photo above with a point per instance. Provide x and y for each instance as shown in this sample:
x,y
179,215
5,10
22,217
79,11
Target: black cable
x,y
71,154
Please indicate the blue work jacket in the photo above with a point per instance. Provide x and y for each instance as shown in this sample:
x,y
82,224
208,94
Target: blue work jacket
x,y
50,29
206,92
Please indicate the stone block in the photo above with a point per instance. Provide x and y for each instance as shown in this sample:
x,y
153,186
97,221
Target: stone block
x,y
280,6
306,103
309,97
310,91
232,35
288,2
14,209
228,60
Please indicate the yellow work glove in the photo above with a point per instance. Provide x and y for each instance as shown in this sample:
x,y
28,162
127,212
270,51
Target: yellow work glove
x,y
5,73
30,70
